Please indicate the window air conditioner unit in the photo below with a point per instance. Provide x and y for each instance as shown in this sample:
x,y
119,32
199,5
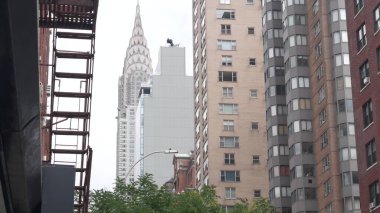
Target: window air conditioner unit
x,y
372,205
366,80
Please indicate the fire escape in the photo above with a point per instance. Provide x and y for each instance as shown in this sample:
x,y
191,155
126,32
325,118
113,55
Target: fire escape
x,y
71,73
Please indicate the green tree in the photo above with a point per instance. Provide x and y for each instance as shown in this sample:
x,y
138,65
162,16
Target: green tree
x,y
144,196
260,205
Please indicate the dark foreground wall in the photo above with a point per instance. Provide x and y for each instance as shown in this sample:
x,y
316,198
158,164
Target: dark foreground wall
x,y
20,162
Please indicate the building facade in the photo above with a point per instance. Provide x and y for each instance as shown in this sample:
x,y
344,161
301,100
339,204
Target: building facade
x,y
137,69
363,18
310,124
230,146
184,172
165,116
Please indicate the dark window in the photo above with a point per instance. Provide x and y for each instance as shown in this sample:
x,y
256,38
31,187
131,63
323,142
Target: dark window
x,y
371,153
227,76
252,61
225,29
324,139
255,125
367,113
361,36
376,16
257,193
345,105
229,158
230,176
374,194
358,5
256,159
225,14
251,30
364,74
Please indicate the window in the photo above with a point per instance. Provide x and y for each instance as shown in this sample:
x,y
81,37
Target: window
x,y
226,44
318,50
376,16
342,59
343,82
274,71
364,74
374,194
324,139
325,164
229,142
292,20
329,208
227,76
226,60
304,194
256,159
273,52
348,154
297,61
327,187
278,150
257,193
298,82
305,170
228,125
322,117
340,36
301,148
225,14
278,192
296,40
228,108
254,126
225,29
345,129
252,61
371,153
271,15
227,92
299,104
345,105
229,158
350,178
358,5
367,113
230,176
316,7
300,125
277,130
225,1
251,30
279,171
273,33
337,15
317,29
361,36
253,93
230,193
275,90
321,94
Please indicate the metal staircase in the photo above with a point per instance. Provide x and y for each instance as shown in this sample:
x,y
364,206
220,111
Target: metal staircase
x,y
72,62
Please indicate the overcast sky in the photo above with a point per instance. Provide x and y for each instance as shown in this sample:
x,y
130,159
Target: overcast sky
x,y
161,19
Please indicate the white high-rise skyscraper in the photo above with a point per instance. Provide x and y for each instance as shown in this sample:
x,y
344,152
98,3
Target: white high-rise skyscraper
x,y
137,69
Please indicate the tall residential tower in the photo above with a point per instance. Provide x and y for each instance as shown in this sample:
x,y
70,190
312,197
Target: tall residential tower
x,y
230,145
363,18
137,69
310,125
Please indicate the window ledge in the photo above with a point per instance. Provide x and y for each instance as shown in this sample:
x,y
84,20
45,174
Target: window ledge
x,y
369,125
359,11
372,210
373,165
376,32
361,50
361,90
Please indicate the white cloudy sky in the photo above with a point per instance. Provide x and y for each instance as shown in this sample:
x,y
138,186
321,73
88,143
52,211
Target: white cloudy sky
x,y
161,19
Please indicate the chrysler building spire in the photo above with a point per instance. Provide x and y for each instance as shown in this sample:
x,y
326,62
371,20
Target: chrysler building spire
x,y
137,69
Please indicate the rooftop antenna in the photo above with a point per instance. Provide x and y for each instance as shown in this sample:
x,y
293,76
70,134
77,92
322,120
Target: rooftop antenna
x,y
170,41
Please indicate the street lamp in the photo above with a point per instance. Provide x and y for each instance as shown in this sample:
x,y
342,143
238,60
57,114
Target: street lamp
x,y
168,151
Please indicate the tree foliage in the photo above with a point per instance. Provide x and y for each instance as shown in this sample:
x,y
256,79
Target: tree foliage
x,y
144,196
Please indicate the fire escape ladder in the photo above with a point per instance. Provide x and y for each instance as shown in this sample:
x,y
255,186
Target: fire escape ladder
x,y
71,79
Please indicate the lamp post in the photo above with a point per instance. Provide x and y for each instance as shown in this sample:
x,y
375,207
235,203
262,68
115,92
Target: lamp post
x,y
169,151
